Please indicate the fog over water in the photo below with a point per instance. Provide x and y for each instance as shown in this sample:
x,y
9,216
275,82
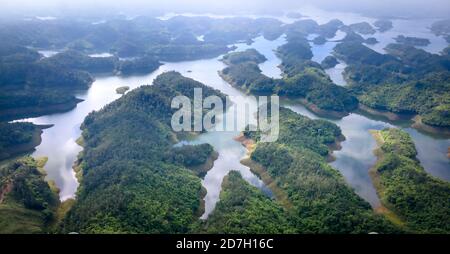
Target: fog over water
x,y
388,8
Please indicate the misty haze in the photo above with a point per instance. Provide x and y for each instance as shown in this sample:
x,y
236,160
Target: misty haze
x,y
87,143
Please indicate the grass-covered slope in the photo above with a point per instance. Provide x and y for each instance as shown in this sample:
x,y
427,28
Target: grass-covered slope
x,y
419,199
134,180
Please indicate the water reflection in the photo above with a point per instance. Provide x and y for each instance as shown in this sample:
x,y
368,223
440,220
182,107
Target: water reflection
x,y
353,160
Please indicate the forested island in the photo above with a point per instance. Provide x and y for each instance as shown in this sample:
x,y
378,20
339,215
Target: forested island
x,y
405,81
362,28
137,190
304,80
33,85
442,28
243,209
329,62
131,176
412,41
383,25
137,176
418,199
312,193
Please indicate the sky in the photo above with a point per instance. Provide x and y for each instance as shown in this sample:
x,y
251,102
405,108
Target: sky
x,y
404,8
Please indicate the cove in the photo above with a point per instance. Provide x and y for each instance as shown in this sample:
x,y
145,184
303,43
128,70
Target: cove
x,y
353,160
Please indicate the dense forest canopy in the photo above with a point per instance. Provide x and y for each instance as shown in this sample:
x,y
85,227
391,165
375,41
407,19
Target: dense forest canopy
x,y
131,170
406,80
32,85
134,175
17,138
321,202
418,198
27,203
303,79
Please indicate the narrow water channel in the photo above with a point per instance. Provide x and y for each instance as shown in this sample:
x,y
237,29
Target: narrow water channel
x,y
353,160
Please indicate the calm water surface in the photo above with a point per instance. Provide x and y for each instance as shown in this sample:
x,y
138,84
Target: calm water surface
x,y
353,160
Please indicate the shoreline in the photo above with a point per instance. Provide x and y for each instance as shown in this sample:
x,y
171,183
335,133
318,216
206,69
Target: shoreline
x,y
414,120
202,170
77,167
335,146
390,116
322,112
279,194
23,149
382,208
32,112
421,126
309,105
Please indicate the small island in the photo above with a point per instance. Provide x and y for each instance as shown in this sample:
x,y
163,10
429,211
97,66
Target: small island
x,y
319,40
294,15
250,55
329,62
413,199
412,41
122,89
362,28
442,28
383,25
371,41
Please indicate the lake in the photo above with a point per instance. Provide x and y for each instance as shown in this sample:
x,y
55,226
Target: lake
x,y
353,160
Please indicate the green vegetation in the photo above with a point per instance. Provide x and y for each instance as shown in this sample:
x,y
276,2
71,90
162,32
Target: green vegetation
x,y
250,55
17,138
134,179
303,80
371,41
329,62
32,87
383,25
442,28
404,187
198,158
140,65
122,89
296,55
407,80
319,40
412,41
72,59
243,209
362,28
27,202
248,77
321,200
307,26
315,86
